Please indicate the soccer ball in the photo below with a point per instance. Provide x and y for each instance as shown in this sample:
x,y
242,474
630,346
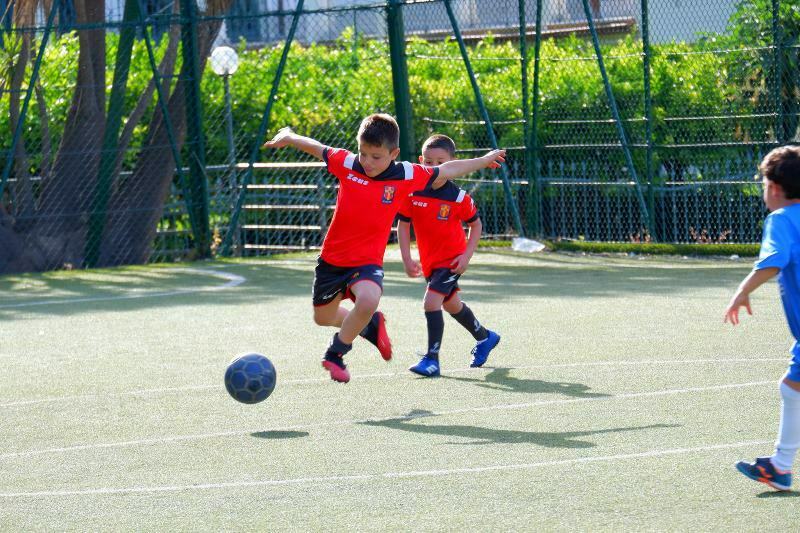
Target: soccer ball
x,y
250,378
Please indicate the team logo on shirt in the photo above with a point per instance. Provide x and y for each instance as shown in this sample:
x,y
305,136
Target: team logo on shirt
x,y
388,194
444,212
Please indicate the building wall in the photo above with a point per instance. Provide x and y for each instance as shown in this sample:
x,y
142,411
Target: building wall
x,y
680,20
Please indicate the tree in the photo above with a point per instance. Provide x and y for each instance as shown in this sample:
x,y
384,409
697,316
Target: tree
x,y
46,226
757,71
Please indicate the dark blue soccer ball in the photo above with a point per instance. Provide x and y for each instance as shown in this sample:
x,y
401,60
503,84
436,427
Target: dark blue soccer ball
x,y
250,378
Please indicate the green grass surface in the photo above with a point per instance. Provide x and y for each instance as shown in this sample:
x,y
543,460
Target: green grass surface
x,y
617,400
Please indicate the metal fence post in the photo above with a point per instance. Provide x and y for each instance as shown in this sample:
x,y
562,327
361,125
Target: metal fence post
x,y
402,97
262,129
533,144
163,100
195,142
523,52
777,57
485,114
648,123
31,84
612,102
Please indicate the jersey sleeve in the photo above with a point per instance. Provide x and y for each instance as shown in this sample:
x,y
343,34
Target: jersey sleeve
x,y
468,212
405,209
776,245
422,176
339,161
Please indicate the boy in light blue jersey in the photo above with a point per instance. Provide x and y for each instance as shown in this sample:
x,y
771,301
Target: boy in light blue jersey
x,y
780,255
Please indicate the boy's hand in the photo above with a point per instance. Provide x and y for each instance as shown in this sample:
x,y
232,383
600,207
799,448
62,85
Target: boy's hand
x,y
460,264
495,158
281,139
413,268
739,299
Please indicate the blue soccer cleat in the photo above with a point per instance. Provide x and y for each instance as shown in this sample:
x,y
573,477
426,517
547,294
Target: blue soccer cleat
x,y
481,351
765,472
427,366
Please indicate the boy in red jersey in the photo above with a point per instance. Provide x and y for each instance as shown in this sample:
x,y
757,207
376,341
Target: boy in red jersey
x,y
437,215
371,187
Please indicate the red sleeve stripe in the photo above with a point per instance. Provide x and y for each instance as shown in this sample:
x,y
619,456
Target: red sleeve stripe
x,y
349,161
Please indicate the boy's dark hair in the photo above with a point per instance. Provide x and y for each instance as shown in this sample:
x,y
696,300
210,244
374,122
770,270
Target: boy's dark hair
x,y
782,166
440,141
380,129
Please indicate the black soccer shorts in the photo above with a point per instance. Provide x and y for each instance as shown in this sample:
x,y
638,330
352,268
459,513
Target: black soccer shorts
x,y
444,281
330,280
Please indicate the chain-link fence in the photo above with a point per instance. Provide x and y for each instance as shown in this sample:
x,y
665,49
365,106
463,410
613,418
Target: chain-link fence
x,y
134,127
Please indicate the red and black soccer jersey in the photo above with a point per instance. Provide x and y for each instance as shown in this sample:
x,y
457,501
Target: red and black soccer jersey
x,y
366,207
437,216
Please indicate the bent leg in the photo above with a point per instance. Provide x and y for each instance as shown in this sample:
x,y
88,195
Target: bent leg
x,y
368,296
453,305
330,314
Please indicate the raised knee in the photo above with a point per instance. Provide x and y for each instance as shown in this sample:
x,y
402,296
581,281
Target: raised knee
x,y
321,319
367,304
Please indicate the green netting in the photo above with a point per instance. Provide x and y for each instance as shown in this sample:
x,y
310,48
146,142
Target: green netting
x,y
97,172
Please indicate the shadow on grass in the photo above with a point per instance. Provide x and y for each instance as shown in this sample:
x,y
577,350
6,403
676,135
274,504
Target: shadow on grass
x,y
126,289
75,293
279,434
779,494
476,435
499,379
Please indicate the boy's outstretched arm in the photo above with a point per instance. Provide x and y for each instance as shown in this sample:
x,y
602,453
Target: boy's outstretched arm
x,y
413,268
460,167
460,263
286,137
741,298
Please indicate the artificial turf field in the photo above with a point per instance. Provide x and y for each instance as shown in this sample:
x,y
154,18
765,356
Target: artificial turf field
x,y
617,400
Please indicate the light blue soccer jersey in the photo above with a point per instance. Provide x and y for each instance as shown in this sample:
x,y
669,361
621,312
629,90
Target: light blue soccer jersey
x,y
780,248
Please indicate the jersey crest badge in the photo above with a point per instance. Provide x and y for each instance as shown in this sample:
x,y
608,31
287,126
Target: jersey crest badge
x,y
388,194
444,212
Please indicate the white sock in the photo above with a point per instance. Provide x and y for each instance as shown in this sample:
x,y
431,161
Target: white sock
x,y
789,431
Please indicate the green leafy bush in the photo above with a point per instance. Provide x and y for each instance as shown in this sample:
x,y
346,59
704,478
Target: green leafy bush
x,y
327,89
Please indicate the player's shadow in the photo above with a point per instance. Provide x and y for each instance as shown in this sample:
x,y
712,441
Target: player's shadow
x,y
482,435
779,494
279,434
500,379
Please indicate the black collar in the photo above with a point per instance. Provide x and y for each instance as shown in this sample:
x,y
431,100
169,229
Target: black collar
x,y
448,192
394,172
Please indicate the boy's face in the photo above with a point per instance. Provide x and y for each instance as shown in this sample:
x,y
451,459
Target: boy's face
x,y
774,198
375,159
433,157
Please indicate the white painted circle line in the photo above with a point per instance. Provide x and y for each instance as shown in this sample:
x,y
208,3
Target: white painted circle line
x,y
189,388
379,476
498,407
231,280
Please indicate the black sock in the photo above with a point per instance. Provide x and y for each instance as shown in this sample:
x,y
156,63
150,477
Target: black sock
x,y
435,332
370,331
468,320
336,351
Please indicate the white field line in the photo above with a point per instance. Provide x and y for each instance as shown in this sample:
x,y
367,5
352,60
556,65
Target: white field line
x,y
188,388
232,280
498,407
379,476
